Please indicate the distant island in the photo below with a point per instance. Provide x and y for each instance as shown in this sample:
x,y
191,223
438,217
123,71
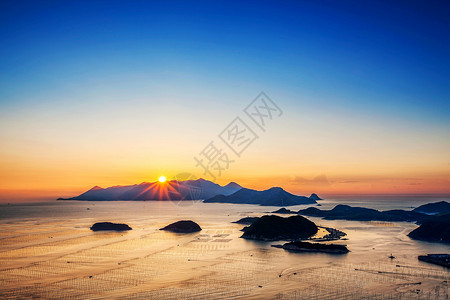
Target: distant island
x,y
437,259
299,246
246,220
283,211
436,229
274,228
315,197
346,212
442,207
275,196
184,226
433,217
199,189
108,226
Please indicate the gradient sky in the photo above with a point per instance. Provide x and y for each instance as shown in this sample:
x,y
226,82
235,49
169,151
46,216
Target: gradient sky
x,y
121,92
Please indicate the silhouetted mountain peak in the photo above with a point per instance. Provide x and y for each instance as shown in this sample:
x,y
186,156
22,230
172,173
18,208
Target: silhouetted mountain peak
x,y
314,197
198,189
275,196
95,188
441,207
233,184
276,189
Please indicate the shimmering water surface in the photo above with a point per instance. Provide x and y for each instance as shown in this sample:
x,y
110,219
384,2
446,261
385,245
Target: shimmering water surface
x,y
47,251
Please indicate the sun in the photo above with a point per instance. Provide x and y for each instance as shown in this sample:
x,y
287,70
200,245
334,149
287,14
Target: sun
x,y
162,179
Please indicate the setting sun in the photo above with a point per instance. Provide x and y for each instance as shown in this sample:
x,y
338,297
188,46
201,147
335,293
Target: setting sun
x,y
162,179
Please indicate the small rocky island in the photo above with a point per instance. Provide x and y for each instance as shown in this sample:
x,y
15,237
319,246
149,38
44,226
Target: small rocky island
x,y
275,196
108,226
436,229
185,226
284,210
315,197
246,220
298,246
437,259
274,228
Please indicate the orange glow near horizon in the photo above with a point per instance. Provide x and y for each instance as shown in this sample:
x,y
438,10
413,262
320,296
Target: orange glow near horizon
x,y
121,108
44,162
322,185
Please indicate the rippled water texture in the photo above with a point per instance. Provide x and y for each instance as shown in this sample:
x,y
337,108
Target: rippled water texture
x,y
48,251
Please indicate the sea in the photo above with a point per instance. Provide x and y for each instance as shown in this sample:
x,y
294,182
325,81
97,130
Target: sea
x,y
48,251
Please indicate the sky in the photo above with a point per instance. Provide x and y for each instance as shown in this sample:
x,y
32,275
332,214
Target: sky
x,y
121,92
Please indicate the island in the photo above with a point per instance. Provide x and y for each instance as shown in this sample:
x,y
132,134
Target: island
x,y
274,228
419,215
298,246
442,207
436,229
437,259
351,213
246,220
275,196
108,226
284,210
315,197
184,226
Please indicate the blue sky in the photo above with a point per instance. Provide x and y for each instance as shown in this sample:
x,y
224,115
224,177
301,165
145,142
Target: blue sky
x,y
361,52
378,64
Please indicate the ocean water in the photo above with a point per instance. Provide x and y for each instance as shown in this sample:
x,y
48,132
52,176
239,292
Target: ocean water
x,y
47,251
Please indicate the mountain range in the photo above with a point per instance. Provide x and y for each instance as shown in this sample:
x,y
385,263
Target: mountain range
x,y
199,189
170,190
275,196
419,215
